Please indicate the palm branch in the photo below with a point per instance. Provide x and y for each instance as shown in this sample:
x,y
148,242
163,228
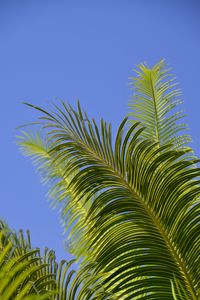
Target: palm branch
x,y
155,101
27,275
21,269
145,212
52,173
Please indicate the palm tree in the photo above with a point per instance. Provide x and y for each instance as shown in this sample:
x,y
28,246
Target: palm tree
x,y
132,201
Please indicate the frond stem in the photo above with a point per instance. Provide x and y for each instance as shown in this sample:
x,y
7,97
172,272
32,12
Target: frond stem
x,y
155,110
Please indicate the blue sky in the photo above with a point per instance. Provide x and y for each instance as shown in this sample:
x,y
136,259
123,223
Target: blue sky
x,y
85,50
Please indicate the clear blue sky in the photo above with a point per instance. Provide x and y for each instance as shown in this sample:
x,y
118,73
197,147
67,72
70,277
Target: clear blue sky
x,y
86,50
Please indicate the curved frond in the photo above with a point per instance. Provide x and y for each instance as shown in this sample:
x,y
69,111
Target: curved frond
x,y
26,275
22,271
52,173
146,212
154,103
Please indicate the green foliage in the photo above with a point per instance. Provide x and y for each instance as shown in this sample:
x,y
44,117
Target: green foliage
x,y
53,173
22,271
154,103
26,275
132,202
178,290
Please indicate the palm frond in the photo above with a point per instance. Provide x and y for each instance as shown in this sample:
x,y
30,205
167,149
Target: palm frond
x,y
27,275
22,271
52,173
154,103
146,212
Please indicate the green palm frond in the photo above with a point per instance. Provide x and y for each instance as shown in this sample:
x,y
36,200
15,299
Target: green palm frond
x,y
22,271
146,211
26,275
154,103
52,173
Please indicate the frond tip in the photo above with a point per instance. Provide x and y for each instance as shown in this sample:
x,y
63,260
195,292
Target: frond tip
x,y
154,103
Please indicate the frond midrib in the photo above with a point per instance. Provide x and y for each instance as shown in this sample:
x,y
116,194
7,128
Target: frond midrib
x,y
155,110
